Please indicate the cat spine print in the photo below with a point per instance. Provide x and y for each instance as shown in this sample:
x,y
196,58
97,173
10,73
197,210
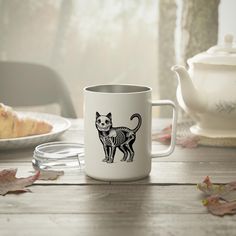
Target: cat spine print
x,y
112,138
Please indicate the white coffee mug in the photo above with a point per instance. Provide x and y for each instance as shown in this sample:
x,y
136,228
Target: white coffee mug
x,y
118,121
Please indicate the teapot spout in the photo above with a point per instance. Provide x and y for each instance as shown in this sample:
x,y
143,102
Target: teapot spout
x,y
190,99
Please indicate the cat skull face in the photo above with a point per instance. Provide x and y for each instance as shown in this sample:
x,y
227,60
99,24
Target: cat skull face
x,y
103,122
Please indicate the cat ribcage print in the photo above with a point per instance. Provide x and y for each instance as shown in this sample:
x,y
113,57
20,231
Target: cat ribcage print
x,y
112,138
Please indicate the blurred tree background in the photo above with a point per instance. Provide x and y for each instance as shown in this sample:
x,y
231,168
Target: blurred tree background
x,y
109,41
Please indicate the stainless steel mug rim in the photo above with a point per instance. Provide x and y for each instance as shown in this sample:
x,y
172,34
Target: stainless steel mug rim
x,y
118,89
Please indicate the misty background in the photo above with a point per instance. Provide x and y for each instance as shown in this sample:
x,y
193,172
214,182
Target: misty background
x,y
92,42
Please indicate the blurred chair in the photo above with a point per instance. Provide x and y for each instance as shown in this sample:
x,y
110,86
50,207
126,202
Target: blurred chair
x,y
26,84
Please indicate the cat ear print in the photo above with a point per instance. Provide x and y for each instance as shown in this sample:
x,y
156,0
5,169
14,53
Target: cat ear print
x,y
109,115
97,114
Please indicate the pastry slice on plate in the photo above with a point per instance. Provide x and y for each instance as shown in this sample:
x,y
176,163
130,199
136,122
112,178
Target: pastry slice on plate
x,y
14,126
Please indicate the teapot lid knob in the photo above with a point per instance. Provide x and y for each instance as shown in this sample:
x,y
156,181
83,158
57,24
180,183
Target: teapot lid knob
x,y
221,54
228,40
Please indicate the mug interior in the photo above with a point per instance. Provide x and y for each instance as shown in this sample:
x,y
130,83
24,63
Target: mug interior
x,y
119,88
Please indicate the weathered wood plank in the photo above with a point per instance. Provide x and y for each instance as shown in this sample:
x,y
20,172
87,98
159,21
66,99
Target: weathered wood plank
x,y
162,173
191,172
140,199
159,205
116,224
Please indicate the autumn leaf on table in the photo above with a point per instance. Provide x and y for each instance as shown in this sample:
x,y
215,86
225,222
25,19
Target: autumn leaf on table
x,y
209,188
221,198
219,207
164,136
10,183
224,191
188,142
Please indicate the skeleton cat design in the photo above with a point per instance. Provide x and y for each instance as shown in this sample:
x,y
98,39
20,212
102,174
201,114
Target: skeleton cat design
x,y
112,138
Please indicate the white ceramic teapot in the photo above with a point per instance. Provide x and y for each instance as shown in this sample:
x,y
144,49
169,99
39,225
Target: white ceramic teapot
x,y
207,91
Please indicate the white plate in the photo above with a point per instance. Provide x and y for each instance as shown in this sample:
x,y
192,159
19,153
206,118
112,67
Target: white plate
x,y
60,125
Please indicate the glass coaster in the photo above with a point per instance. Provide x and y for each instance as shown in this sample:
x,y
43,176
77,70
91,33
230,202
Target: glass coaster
x,y
59,156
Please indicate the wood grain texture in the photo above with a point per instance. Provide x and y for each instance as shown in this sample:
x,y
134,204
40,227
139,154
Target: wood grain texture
x,y
117,199
165,203
117,224
162,173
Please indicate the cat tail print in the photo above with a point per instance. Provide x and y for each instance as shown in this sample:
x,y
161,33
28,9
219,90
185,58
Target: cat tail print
x,y
139,121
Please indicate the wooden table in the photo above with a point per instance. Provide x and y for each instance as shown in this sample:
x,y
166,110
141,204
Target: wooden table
x,y
165,203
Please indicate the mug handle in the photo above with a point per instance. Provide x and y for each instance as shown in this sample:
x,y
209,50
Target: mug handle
x,y
171,148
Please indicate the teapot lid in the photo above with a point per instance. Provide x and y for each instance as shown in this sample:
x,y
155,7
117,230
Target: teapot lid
x,y
222,54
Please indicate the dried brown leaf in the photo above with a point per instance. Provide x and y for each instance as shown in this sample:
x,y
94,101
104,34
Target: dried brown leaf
x,y
10,183
218,207
209,188
188,142
224,191
164,137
